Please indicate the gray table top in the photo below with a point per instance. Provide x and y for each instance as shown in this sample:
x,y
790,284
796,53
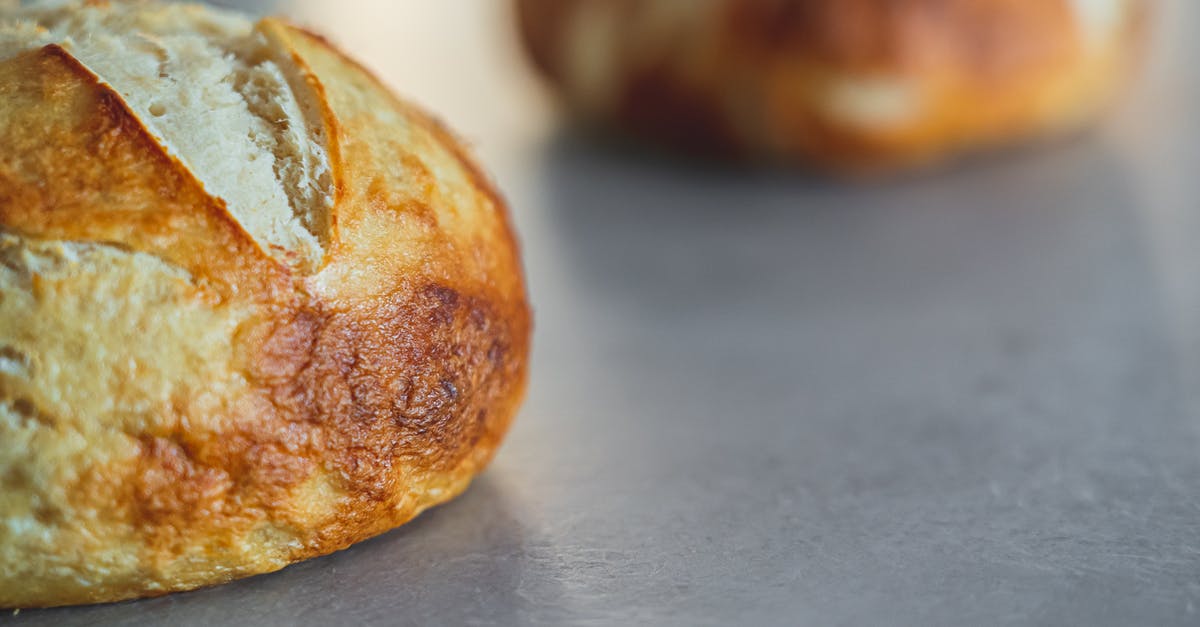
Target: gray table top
x,y
965,398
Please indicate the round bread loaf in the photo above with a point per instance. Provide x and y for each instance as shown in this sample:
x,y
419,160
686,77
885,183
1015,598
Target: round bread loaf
x,y
842,84
253,308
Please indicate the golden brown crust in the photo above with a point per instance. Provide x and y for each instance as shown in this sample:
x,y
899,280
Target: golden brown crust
x,y
854,84
336,406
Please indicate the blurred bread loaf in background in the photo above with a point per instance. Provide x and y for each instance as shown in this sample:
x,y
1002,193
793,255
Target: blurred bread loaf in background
x,y
847,85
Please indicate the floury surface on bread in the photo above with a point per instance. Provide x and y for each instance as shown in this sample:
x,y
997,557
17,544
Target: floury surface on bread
x,y
253,307
846,85
213,90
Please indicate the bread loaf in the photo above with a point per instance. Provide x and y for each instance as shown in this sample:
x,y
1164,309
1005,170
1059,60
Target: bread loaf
x,y
253,307
846,85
